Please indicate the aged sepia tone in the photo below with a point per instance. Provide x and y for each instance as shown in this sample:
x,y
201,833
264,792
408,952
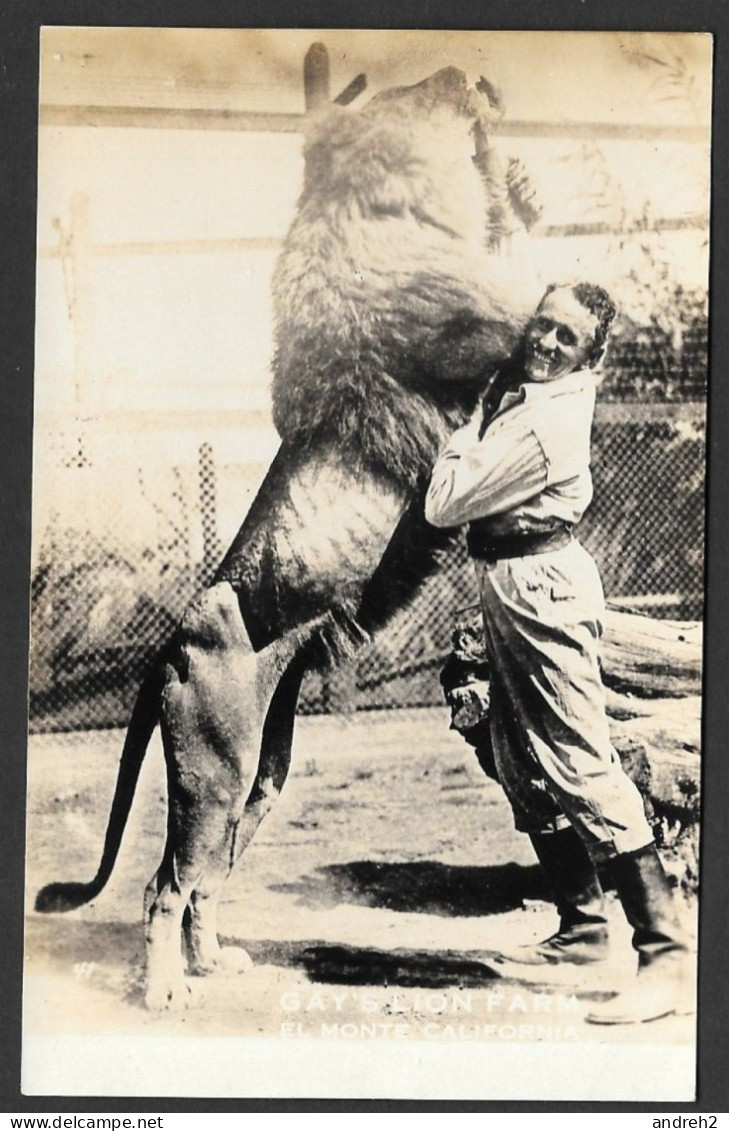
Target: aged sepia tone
x,y
276,269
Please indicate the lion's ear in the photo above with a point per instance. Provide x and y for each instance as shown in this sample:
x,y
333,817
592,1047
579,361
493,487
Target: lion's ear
x,y
325,129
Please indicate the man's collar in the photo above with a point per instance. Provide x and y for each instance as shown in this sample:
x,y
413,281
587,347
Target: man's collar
x,y
571,382
575,381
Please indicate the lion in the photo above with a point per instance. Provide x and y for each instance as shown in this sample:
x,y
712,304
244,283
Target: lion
x,y
392,305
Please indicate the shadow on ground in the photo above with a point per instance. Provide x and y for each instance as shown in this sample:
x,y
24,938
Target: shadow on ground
x,y
366,967
109,958
330,964
95,949
71,942
424,886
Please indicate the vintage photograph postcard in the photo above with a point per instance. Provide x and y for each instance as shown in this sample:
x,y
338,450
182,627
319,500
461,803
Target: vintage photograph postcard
x,y
367,565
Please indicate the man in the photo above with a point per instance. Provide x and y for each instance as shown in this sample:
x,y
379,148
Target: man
x,y
519,475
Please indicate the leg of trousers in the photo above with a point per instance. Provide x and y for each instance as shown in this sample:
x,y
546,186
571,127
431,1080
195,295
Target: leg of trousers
x,y
542,621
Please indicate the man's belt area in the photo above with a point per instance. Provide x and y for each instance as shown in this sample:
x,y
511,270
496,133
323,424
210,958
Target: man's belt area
x,y
485,545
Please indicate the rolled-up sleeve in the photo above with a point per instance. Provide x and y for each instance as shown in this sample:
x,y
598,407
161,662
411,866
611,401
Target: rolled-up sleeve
x,y
473,477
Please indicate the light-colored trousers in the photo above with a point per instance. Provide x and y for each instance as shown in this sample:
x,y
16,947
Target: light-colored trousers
x,y
543,617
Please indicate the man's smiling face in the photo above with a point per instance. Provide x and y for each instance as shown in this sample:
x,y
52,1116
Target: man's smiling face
x,y
559,337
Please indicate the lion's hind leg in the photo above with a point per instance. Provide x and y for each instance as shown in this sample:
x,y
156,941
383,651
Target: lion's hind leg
x,y
164,905
181,901
205,955
214,707
182,895
200,922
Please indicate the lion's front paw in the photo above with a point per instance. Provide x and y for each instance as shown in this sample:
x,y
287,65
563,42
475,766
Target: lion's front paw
x,y
522,195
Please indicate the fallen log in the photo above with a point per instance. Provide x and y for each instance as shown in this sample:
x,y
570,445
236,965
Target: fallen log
x,y
652,672
651,657
640,655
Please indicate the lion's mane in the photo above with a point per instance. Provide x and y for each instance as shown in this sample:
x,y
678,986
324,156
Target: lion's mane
x,y
389,306
391,310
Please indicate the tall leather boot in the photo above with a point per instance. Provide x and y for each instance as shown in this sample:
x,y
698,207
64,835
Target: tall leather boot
x,y
583,933
663,984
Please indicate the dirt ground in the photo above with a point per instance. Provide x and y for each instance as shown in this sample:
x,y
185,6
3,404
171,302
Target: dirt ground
x,y
371,901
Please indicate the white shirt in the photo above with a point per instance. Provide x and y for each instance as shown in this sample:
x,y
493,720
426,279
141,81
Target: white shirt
x,y
532,463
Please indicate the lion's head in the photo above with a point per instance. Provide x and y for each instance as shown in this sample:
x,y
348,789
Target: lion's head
x,y
391,306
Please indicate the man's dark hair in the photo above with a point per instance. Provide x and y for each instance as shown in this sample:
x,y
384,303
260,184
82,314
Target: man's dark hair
x,y
598,302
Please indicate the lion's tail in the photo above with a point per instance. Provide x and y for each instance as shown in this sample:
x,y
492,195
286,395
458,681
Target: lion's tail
x,y
68,896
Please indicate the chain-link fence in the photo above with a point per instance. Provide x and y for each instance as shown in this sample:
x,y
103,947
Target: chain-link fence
x,y
124,547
